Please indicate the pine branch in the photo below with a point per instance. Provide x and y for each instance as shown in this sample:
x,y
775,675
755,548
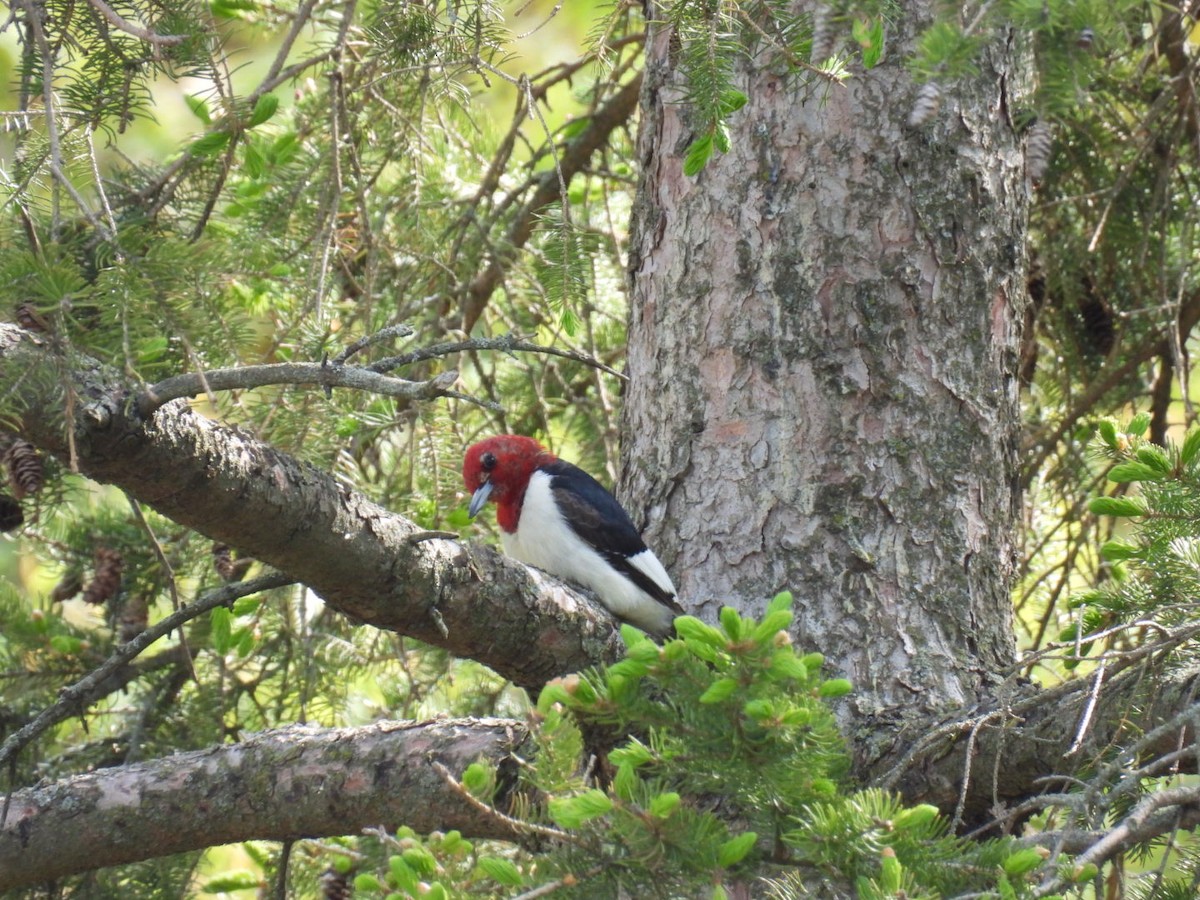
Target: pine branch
x,y
281,785
76,697
356,555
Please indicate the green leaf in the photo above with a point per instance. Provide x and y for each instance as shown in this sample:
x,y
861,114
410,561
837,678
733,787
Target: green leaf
x,y
1083,873
835,687
242,881
66,645
891,871
232,9
813,661
1154,457
554,692
635,753
782,600
646,652
785,664
772,622
152,349
1114,551
632,636
1138,425
571,812
625,782
759,709
500,871
420,859
627,668
221,623
697,155
575,127
199,108
732,101
253,161
264,107
869,36
1023,861
402,873
1117,506
210,144
366,882
244,641
731,622
664,805
692,629
719,690
1123,473
721,137
915,817
1191,444
478,779
1107,429
244,606
734,850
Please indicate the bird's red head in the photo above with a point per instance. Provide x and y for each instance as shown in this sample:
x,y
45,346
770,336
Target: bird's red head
x,y
498,469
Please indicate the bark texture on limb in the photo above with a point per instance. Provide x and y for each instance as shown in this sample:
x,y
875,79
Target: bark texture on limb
x,y
832,311
363,560
280,785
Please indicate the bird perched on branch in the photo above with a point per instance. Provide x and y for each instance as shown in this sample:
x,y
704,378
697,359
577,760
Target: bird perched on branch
x,y
557,517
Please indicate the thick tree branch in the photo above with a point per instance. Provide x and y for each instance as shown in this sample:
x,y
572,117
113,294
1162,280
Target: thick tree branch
x,y
279,785
363,560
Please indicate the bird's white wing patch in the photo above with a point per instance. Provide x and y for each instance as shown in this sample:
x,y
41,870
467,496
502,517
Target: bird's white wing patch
x,y
649,564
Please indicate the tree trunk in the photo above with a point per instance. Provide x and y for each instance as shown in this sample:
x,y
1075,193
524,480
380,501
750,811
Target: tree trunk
x,y
823,340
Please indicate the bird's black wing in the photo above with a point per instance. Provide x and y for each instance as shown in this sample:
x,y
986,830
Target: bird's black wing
x,y
595,515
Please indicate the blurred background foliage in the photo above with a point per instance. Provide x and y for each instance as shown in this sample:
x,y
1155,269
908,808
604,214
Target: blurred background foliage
x,y
199,185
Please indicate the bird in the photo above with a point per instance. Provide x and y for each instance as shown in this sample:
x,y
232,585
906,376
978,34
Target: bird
x,y
555,516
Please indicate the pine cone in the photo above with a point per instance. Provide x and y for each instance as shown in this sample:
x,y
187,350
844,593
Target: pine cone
x,y
24,468
335,885
107,579
30,319
134,616
11,517
227,567
68,586
1039,146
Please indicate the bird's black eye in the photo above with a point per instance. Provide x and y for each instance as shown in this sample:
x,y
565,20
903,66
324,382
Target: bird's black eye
x,y
488,461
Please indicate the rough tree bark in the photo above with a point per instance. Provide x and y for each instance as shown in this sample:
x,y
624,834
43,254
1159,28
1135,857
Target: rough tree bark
x,y
283,785
831,312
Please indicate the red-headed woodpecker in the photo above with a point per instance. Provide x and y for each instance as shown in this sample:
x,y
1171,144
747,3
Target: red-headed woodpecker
x,y
557,517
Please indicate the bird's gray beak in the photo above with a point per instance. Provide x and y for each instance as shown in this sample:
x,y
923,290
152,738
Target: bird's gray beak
x,y
479,498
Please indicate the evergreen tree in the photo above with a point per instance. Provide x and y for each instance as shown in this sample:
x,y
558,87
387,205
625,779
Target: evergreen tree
x,y
269,269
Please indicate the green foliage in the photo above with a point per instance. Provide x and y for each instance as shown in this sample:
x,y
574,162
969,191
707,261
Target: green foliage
x,y
722,754
1161,547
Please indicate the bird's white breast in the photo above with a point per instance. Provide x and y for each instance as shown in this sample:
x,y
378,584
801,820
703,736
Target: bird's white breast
x,y
545,539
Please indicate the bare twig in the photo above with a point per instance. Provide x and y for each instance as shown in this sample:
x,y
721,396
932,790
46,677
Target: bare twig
x,y
508,343
190,384
384,334
515,824
137,31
